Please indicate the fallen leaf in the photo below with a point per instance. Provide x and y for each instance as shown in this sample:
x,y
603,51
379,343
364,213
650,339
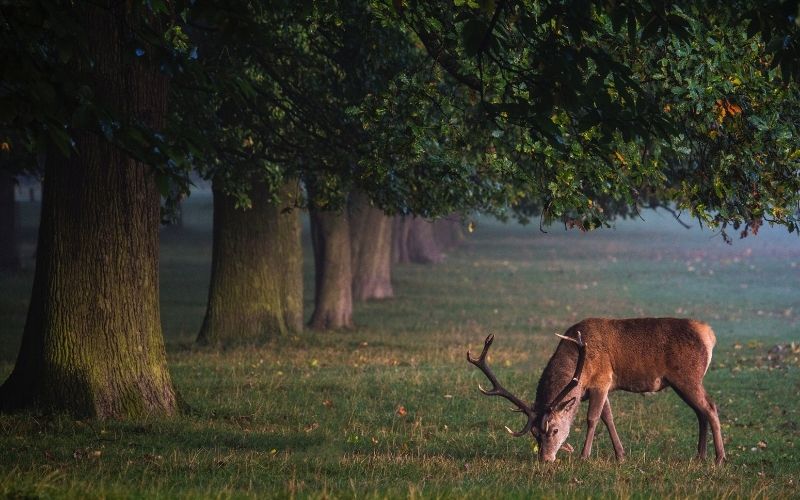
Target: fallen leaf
x,y
401,410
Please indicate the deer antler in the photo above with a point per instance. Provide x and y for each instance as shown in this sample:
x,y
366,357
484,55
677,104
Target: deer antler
x,y
578,369
498,390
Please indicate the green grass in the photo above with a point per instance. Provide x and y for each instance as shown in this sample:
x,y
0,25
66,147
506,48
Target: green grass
x,y
317,415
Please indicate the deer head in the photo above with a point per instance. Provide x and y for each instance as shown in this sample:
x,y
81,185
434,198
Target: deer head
x,y
549,423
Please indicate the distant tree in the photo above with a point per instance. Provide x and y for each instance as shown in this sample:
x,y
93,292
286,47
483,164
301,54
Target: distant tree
x,y
415,241
449,232
371,249
359,147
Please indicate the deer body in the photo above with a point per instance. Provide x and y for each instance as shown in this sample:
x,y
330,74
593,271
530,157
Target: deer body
x,y
600,355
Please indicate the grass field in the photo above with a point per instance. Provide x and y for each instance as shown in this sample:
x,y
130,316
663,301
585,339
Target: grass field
x,y
391,408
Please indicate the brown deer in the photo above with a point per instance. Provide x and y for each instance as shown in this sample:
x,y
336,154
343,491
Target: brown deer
x,y
599,355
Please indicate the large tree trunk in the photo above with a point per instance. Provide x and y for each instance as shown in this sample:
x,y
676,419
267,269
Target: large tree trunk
x,y
9,251
92,343
371,245
333,299
414,242
256,288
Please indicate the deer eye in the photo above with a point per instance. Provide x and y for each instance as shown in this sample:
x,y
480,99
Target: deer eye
x,y
555,431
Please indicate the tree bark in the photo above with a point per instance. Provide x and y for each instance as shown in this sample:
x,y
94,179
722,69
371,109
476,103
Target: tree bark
x,y
256,288
9,249
92,343
400,240
371,245
414,242
333,299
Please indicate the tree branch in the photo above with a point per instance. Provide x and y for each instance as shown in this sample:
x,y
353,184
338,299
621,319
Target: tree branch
x,y
447,61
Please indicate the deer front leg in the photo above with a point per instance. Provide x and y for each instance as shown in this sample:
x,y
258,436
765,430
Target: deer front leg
x,y
597,400
608,419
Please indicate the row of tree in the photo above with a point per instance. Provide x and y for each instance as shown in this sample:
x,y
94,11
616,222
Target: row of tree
x,y
355,110
123,107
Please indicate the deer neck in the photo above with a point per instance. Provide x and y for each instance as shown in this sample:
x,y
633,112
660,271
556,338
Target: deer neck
x,y
555,377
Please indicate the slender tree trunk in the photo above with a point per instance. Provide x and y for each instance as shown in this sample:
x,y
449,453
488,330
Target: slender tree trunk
x,y
414,241
400,231
9,250
256,288
92,343
333,299
371,245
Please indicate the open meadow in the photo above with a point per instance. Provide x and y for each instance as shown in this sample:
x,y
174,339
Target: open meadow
x,y
391,408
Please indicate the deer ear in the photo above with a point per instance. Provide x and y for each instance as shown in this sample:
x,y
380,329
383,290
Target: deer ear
x,y
565,405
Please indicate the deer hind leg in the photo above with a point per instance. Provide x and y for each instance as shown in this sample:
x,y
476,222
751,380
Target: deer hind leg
x,y
702,443
608,420
697,398
597,399
719,446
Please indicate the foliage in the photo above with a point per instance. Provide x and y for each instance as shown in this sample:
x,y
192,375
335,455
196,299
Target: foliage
x,y
734,159
296,90
581,111
573,99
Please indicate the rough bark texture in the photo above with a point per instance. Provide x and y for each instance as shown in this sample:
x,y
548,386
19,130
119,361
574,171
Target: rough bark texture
x,y
448,232
92,343
371,246
333,299
256,288
9,251
414,242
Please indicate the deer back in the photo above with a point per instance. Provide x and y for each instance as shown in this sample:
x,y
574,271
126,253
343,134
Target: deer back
x,y
640,354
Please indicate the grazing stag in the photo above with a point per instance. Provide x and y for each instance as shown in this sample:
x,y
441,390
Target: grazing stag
x,y
597,356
